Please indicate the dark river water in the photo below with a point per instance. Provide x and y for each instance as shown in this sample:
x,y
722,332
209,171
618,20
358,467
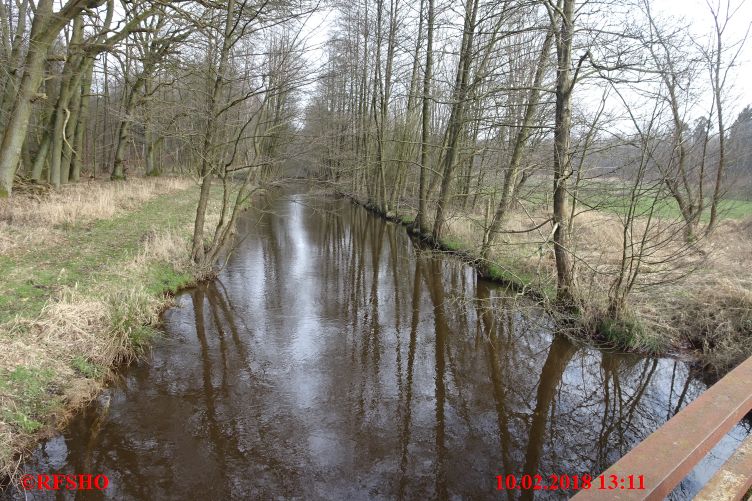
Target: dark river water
x,y
333,359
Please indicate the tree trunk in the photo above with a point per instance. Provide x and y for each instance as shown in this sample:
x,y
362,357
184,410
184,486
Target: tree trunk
x,y
197,248
11,77
508,192
565,291
44,30
457,117
18,120
78,139
69,85
41,157
717,84
426,123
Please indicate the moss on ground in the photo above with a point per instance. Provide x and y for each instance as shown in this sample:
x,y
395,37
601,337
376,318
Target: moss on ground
x,y
452,244
630,334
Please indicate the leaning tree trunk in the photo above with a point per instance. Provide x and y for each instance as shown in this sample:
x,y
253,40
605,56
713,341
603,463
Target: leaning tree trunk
x,y
18,120
83,111
9,81
118,167
44,30
69,85
198,252
510,185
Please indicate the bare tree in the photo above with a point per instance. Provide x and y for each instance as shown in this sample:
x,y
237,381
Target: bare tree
x,y
45,28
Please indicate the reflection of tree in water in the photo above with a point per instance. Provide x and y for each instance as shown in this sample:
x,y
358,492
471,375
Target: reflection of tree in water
x,y
556,409
441,331
217,440
495,345
377,361
559,355
406,396
619,406
589,407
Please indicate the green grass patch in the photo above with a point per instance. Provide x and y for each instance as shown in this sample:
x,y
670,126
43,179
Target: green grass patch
x,y
33,394
734,209
611,197
21,421
620,332
87,368
89,258
407,219
452,244
132,317
496,272
521,278
628,333
163,277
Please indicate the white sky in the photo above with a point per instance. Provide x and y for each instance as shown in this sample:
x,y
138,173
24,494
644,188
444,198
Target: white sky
x,y
695,13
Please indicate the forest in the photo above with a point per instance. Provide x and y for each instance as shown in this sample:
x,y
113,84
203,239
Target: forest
x,y
561,150
593,157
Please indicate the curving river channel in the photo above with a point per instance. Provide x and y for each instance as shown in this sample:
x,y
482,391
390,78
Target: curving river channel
x,y
333,359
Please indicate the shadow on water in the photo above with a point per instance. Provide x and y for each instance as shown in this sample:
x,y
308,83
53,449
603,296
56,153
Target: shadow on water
x,y
334,359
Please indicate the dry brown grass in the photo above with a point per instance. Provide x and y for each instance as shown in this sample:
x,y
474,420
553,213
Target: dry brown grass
x,y
688,297
167,245
27,219
57,360
75,340
709,310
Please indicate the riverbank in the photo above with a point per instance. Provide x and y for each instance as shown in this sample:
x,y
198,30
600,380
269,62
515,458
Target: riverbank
x,y
332,350
705,315
86,271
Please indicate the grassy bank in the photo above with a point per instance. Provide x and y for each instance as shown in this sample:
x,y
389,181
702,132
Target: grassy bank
x,y
707,313
86,271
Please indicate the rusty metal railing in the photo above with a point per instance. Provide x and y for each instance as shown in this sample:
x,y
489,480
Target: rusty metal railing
x,y
666,456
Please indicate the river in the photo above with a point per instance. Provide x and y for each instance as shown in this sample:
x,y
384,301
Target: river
x,y
333,359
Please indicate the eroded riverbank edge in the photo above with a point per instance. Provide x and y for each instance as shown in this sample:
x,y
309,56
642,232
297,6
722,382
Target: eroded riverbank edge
x,y
272,341
85,300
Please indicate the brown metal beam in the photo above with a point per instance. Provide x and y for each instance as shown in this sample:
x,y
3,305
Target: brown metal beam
x,y
666,456
734,478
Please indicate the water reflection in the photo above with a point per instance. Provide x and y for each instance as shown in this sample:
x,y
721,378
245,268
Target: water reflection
x,y
333,359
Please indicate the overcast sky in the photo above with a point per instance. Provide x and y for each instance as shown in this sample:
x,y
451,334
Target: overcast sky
x,y
694,12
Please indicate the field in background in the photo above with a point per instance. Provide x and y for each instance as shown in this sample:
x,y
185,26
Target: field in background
x,y
611,197
708,311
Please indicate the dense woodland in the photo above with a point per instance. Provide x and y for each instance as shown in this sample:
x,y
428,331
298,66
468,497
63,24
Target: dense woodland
x,y
507,129
590,111
203,89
